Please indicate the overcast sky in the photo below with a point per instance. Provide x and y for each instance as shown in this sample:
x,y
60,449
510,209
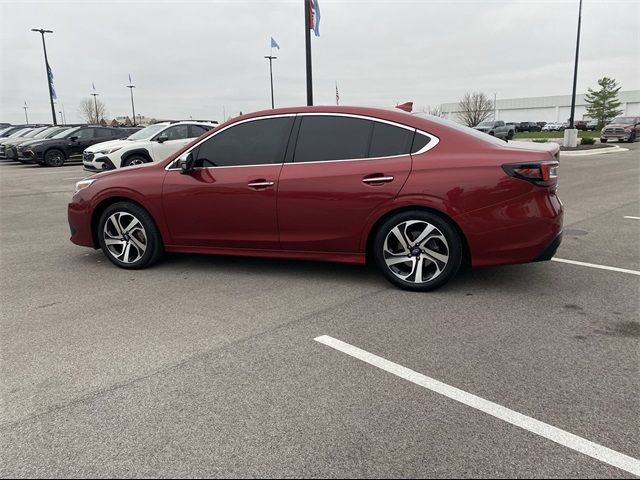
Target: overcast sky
x,y
194,58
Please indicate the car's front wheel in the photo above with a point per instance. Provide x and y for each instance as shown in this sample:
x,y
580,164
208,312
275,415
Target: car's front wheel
x,y
54,158
417,250
134,160
128,236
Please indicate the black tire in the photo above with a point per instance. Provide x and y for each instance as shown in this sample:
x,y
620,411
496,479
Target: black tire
x,y
134,160
147,236
510,135
54,158
632,137
603,140
452,249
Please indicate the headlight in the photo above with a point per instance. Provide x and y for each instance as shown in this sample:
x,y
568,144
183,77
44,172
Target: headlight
x,y
82,184
109,150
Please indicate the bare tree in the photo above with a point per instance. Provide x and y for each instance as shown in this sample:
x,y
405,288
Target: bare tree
x,y
474,108
435,111
88,112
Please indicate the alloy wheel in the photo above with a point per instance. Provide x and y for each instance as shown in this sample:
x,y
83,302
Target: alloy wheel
x,y
125,237
416,251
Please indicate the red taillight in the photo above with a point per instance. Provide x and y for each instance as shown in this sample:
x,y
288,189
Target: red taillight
x,y
544,174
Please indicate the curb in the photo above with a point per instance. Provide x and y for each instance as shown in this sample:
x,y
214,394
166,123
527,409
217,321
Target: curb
x,y
598,151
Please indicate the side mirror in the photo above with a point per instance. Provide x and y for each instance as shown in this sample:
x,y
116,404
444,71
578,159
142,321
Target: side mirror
x,y
162,138
73,139
185,162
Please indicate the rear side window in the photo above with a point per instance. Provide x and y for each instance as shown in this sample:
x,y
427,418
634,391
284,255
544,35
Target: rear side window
x,y
197,130
323,138
104,133
257,142
419,142
388,141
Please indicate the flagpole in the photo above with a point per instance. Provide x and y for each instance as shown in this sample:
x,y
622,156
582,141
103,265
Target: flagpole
x,y
48,68
95,102
271,58
307,37
131,86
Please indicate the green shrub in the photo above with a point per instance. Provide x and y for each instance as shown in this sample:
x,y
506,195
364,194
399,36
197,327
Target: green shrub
x,y
540,140
587,141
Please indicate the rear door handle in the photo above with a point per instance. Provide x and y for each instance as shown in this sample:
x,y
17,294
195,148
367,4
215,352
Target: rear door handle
x,y
380,179
257,184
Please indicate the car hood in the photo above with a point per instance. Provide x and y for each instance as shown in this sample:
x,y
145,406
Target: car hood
x,y
123,142
45,141
623,125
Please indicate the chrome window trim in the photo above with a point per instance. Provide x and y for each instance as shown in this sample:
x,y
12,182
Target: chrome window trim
x,y
433,140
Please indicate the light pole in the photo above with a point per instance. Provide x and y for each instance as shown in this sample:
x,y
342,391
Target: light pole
x,y
271,58
48,70
26,117
571,134
307,41
131,86
495,96
95,102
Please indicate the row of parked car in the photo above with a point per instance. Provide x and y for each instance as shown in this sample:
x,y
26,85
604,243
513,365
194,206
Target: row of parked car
x,y
97,147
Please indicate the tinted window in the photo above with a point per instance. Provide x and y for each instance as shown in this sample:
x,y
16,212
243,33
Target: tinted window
x,y
85,133
256,142
177,132
104,133
324,138
197,130
388,140
419,142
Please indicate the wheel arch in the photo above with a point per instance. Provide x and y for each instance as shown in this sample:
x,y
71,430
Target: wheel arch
x,y
106,203
466,251
141,152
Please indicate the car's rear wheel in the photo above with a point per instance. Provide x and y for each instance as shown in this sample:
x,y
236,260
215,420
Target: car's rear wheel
x,y
603,140
128,236
134,160
417,250
54,158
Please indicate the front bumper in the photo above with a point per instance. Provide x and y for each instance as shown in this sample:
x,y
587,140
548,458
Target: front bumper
x,y
91,163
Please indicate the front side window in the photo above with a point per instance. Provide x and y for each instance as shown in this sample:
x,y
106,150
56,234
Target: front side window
x,y
256,142
85,133
177,132
324,138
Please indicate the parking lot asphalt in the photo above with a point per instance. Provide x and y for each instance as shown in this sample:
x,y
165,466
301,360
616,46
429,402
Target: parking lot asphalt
x,y
207,366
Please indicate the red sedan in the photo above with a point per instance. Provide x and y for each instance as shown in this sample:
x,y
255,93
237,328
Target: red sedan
x,y
417,195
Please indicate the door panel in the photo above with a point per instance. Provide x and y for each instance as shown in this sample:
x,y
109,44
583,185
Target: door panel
x,y
216,207
322,206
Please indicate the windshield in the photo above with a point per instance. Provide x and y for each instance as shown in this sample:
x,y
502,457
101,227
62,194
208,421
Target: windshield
x,y
64,133
19,133
147,132
50,132
34,132
624,120
463,129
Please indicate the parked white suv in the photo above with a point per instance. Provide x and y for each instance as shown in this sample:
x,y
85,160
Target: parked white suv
x,y
151,144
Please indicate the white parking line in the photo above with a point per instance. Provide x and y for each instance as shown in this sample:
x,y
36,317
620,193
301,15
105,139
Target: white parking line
x,y
632,218
593,265
579,444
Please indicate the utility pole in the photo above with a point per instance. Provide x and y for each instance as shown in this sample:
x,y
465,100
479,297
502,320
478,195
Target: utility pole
x,y
26,117
48,70
307,39
571,134
131,86
271,58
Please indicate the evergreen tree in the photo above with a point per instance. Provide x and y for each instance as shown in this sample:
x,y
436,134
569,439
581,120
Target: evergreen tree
x,y
603,105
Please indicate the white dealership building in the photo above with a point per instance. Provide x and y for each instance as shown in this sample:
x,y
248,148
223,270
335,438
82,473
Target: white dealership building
x,y
547,109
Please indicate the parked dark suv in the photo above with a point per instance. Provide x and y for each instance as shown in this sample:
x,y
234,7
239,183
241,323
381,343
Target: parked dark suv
x,y
69,144
528,127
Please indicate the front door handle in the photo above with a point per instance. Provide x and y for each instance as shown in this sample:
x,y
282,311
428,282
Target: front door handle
x,y
380,179
258,184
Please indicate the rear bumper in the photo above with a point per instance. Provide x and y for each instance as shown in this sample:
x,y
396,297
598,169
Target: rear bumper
x,y
550,250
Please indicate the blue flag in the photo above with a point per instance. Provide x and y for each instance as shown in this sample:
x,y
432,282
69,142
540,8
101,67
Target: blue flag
x,y
316,18
129,79
94,86
274,44
50,75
